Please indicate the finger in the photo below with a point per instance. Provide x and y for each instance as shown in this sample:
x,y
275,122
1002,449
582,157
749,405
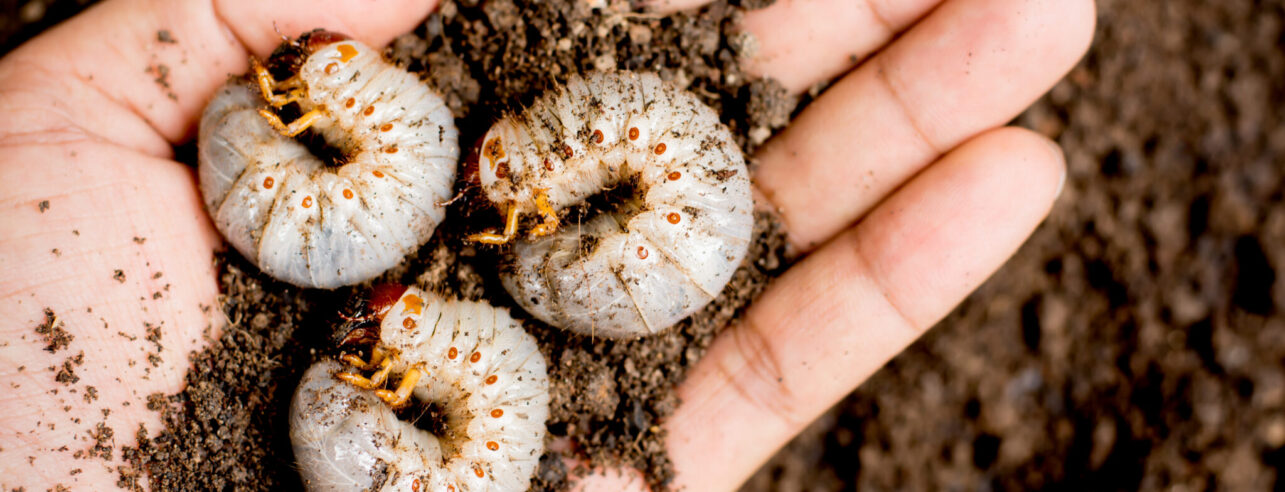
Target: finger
x,y
611,480
969,66
137,72
802,42
670,6
840,314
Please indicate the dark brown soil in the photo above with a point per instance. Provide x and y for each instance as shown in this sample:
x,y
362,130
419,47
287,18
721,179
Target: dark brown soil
x,y
1136,342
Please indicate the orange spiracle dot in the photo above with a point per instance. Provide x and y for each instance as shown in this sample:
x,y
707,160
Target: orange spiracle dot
x,y
450,354
492,445
597,136
414,304
492,379
386,127
502,171
348,193
675,175
548,165
414,486
633,133
408,323
642,253
346,52
660,148
330,69
478,471
673,217
568,151
350,102
377,173
450,488
493,150
391,150
267,183
497,413
307,201
369,111
475,357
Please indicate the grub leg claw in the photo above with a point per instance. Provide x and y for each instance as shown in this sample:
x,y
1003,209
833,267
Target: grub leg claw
x,y
510,229
550,216
398,398
376,356
375,381
269,85
295,127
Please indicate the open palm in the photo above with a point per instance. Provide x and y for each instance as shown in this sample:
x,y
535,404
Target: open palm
x,y
898,183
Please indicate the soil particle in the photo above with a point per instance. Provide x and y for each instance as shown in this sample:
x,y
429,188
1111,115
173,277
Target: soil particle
x,y
164,36
53,334
67,374
103,447
119,276
43,206
153,334
161,76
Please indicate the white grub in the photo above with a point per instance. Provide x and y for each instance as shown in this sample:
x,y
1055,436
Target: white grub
x,y
667,251
315,225
483,370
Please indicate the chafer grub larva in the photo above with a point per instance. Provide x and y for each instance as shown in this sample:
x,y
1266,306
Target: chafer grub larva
x,y
313,224
478,364
663,254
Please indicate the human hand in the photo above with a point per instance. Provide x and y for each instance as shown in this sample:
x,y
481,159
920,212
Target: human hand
x,y
89,118
907,145
901,186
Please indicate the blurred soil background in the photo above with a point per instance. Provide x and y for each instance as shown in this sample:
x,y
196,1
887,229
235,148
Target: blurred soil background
x,y
1136,341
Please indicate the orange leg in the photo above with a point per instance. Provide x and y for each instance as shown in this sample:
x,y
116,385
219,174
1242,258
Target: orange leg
x,y
376,380
269,85
295,127
550,222
376,356
398,398
510,230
